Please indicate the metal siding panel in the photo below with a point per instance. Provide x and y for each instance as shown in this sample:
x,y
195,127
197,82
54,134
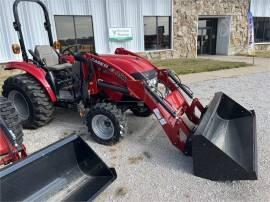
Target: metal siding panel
x,y
149,7
141,27
69,7
115,18
134,20
7,35
163,7
157,7
260,8
126,13
100,25
117,13
32,23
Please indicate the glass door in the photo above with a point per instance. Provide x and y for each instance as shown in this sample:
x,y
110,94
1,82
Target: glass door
x,y
207,36
204,43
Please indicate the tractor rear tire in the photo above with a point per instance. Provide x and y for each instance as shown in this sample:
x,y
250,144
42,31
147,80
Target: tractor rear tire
x,y
10,117
30,100
106,123
141,111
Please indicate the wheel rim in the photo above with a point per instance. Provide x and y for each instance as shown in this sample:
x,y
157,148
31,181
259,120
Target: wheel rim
x,y
19,102
102,126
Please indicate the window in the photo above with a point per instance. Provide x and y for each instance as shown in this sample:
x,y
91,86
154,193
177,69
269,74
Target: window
x,y
262,29
75,30
157,33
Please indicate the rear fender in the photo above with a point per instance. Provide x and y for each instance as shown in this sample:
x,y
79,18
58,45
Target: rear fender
x,y
36,72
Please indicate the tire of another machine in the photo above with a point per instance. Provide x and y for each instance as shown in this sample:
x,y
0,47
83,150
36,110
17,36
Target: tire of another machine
x,y
37,108
106,123
11,119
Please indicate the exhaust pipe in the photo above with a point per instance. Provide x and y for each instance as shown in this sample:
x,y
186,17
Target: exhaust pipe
x,y
224,143
67,170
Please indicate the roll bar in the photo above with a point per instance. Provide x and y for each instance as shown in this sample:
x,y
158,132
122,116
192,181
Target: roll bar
x,y
17,25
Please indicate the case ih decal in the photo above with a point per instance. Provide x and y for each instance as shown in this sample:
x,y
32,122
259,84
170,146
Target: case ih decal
x,y
105,68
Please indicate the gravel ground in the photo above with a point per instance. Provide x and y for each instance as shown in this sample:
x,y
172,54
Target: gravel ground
x,y
150,169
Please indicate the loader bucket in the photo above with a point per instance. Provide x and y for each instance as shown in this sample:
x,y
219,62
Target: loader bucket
x,y
224,144
68,170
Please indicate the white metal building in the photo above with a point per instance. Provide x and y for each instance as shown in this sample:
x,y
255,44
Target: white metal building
x,y
149,24
104,14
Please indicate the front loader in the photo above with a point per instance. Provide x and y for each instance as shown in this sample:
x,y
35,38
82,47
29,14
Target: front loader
x,y
66,170
221,137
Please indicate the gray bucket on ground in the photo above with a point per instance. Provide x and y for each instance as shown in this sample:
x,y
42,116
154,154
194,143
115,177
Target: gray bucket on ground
x,y
224,144
68,170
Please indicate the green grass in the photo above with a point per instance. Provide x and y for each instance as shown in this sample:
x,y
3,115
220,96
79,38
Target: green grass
x,y
187,66
262,54
259,54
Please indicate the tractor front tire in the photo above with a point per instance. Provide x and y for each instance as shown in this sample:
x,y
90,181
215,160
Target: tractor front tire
x,y
106,123
30,100
9,115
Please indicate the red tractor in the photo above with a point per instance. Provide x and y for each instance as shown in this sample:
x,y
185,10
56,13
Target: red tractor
x,y
221,137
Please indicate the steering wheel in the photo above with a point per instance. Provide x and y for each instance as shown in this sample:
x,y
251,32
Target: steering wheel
x,y
73,53
68,49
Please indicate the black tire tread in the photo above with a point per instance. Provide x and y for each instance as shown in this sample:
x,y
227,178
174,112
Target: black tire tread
x,y
11,119
42,107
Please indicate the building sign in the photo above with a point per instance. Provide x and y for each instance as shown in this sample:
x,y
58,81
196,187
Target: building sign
x,y
120,34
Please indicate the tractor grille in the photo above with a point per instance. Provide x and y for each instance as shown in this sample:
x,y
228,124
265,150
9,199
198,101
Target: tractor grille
x,y
145,75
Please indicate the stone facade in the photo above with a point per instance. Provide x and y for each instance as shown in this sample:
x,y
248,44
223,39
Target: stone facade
x,y
185,26
263,47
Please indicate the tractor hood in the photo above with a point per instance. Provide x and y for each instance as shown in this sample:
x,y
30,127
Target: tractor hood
x,y
132,65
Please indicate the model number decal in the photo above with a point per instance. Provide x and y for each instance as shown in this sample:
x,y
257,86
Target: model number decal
x,y
105,68
161,120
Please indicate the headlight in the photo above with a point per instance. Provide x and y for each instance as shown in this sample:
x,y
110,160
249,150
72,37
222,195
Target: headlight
x,y
152,82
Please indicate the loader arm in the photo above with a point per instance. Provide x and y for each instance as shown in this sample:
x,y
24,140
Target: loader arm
x,y
169,110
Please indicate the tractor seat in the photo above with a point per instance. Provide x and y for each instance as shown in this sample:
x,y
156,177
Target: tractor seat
x,y
51,58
